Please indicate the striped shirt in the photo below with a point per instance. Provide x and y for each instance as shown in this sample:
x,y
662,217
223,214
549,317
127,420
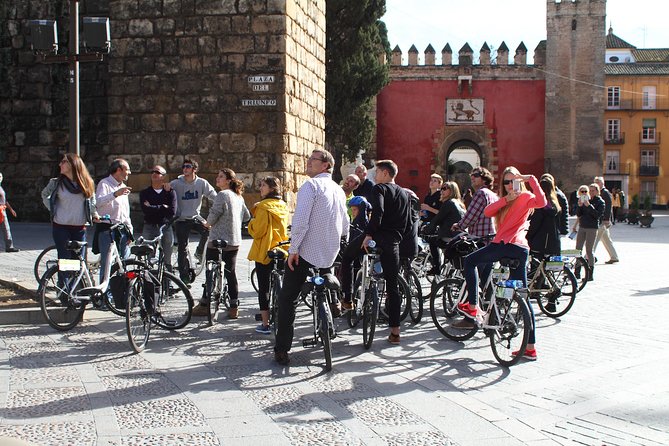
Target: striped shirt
x,y
474,220
319,221
118,208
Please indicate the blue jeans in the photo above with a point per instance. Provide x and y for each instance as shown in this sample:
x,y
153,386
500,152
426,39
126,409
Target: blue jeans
x,y
151,231
492,253
6,231
62,235
104,242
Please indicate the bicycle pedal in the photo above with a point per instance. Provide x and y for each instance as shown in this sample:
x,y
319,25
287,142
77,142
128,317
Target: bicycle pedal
x,y
309,343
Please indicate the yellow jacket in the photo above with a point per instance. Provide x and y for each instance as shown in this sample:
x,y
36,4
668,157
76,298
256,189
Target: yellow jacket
x,y
268,227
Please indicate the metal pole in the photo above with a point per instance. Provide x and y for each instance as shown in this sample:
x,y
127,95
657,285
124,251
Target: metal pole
x,y
74,76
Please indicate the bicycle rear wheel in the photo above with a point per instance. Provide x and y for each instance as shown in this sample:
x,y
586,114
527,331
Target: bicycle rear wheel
x,y
274,291
137,315
415,303
175,306
405,299
511,331
562,294
254,279
370,313
57,302
49,254
324,334
119,307
443,310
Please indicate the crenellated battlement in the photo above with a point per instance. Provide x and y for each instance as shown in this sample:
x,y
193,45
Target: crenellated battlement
x,y
466,56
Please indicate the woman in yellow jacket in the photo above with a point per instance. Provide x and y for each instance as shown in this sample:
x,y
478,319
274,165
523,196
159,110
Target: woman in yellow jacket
x,y
268,227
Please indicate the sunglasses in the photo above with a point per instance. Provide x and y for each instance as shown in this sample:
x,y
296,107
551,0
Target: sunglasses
x,y
187,166
507,182
157,172
445,188
475,175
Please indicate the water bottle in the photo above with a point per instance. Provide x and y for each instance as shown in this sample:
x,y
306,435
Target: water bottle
x,y
515,284
378,269
371,244
557,259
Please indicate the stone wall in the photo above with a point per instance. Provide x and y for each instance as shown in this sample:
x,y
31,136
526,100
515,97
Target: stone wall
x,y
236,84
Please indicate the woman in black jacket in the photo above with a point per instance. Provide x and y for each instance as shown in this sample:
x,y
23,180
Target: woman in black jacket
x,y
589,212
543,235
450,212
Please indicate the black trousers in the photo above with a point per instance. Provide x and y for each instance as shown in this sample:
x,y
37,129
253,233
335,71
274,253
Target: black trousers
x,y
288,300
263,273
183,229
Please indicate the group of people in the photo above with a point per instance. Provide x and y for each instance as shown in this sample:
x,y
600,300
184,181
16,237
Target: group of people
x,y
521,219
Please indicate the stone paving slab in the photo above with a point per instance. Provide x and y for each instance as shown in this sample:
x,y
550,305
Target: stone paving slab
x,y
600,378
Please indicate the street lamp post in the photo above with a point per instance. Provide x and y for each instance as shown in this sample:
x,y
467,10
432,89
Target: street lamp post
x,y
45,45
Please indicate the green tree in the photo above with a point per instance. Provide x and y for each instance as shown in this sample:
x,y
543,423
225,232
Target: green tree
x,y
356,71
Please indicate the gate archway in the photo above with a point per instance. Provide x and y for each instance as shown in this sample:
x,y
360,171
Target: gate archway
x,y
463,156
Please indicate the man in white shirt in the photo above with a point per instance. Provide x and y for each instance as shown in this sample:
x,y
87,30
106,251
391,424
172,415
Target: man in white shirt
x,y
111,198
319,222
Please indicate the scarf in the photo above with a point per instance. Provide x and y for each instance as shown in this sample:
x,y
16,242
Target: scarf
x,y
71,186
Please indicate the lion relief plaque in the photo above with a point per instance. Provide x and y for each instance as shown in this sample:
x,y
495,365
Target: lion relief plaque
x,y
464,111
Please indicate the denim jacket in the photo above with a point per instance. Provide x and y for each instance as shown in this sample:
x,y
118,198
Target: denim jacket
x,y
49,200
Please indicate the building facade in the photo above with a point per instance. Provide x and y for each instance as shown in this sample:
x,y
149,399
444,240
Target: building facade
x,y
545,116
636,117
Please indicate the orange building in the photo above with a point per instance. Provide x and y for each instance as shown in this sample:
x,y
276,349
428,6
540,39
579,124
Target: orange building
x,y
636,158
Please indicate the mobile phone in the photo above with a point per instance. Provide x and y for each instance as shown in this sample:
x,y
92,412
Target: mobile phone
x,y
516,186
582,198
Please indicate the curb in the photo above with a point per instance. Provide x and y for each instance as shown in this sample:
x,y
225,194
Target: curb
x,y
21,316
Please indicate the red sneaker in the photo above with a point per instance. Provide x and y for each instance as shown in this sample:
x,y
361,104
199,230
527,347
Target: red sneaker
x,y
468,310
530,355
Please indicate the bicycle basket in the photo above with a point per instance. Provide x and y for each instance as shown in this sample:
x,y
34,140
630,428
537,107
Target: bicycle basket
x,y
118,287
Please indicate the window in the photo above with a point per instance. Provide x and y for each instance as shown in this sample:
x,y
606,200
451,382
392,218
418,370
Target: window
x,y
612,161
613,130
648,158
648,132
647,190
613,100
648,99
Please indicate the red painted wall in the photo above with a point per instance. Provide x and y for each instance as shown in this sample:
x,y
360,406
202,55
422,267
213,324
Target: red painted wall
x,y
409,113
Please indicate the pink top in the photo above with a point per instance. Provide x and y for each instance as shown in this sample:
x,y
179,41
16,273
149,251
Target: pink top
x,y
515,224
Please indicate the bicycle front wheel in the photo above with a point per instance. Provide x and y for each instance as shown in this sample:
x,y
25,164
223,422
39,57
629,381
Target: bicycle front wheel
x,y
510,331
443,310
562,294
57,302
370,312
254,279
581,272
405,299
175,306
324,334
274,303
137,315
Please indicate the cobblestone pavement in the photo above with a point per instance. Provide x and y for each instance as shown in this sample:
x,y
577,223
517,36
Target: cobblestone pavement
x,y
601,377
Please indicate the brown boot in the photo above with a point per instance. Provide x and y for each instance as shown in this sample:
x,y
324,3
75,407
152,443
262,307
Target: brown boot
x,y
233,313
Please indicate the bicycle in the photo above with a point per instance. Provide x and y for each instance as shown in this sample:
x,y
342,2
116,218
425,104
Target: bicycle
x,y
504,316
155,296
578,265
319,288
49,256
193,264
370,293
278,256
415,301
552,284
215,284
67,286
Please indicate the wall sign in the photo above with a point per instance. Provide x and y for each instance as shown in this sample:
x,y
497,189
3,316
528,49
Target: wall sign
x,y
465,111
259,102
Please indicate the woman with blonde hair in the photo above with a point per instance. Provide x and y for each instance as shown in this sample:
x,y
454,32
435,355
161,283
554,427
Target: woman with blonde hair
x,y
70,198
510,213
225,223
589,214
268,227
451,211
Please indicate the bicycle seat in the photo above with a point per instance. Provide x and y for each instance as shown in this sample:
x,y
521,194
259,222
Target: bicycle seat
x,y
219,244
511,263
142,250
75,245
276,254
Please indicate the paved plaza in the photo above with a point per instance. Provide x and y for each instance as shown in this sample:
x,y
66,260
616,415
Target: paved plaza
x,y
601,377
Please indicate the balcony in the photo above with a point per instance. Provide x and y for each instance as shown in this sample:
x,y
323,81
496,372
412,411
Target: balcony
x,y
620,139
637,104
615,168
653,140
649,171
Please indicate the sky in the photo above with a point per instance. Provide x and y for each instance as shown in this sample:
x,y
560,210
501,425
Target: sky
x,y
642,23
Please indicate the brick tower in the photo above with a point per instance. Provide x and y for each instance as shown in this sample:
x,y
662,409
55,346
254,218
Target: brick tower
x,y
574,96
